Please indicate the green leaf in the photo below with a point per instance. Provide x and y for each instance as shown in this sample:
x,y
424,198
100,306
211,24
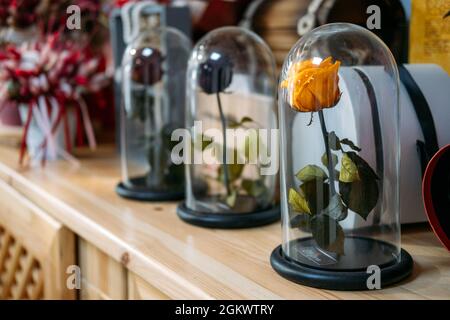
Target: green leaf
x,y
349,170
311,172
298,202
363,166
141,105
231,199
253,143
328,234
233,124
166,135
335,209
175,174
316,193
334,160
206,141
302,222
333,141
349,143
234,171
360,196
246,119
254,188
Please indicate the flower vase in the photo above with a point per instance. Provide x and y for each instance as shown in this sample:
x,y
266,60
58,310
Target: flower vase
x,y
232,122
153,85
18,36
9,116
40,148
340,159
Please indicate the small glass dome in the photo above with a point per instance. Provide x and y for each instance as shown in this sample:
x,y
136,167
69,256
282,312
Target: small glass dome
x,y
233,121
340,153
153,88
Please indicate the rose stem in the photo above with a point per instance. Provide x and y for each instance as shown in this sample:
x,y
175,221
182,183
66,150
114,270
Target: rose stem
x,y
152,130
329,155
224,151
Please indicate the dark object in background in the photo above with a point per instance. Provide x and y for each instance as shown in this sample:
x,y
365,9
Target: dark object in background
x,y
220,13
436,194
4,12
22,13
277,22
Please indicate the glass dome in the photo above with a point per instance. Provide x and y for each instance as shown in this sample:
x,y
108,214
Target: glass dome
x,y
233,121
153,88
340,152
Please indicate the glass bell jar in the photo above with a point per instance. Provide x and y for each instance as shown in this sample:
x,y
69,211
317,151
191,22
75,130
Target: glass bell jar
x,y
153,89
232,176
338,103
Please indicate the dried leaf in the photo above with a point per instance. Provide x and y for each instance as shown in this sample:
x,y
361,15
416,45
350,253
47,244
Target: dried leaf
x,y
311,172
298,202
349,171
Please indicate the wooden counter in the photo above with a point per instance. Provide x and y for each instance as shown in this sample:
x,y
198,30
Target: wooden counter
x,y
142,250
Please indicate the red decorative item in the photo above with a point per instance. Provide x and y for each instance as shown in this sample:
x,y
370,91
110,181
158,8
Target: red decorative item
x,y
121,3
4,11
51,74
436,194
23,12
219,13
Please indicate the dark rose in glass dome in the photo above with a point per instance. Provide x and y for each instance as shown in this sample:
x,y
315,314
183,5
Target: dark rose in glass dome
x,y
147,66
216,73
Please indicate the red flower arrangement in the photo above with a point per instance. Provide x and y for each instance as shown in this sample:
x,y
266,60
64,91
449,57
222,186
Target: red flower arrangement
x,y
4,12
48,75
21,13
121,3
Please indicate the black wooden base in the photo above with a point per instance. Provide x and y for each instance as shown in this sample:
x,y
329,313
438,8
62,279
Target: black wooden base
x,y
342,279
143,194
228,220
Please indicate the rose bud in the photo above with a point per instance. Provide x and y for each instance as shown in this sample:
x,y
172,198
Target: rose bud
x,y
216,73
147,66
313,86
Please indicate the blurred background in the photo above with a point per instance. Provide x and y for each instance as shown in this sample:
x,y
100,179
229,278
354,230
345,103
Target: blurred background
x,y
279,22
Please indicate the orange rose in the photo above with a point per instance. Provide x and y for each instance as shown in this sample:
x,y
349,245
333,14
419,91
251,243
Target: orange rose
x,y
313,86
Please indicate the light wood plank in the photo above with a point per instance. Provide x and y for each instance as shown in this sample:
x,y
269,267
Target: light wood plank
x,y
102,277
139,289
60,256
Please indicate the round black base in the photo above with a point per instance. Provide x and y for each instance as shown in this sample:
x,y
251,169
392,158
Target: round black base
x,y
342,280
142,194
228,220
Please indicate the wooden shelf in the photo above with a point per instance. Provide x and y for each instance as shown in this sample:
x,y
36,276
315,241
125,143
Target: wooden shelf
x,y
169,258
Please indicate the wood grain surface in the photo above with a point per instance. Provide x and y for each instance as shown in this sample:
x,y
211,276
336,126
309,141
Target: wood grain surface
x,y
181,261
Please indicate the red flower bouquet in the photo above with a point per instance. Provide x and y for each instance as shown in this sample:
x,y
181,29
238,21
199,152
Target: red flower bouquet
x,y
46,80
